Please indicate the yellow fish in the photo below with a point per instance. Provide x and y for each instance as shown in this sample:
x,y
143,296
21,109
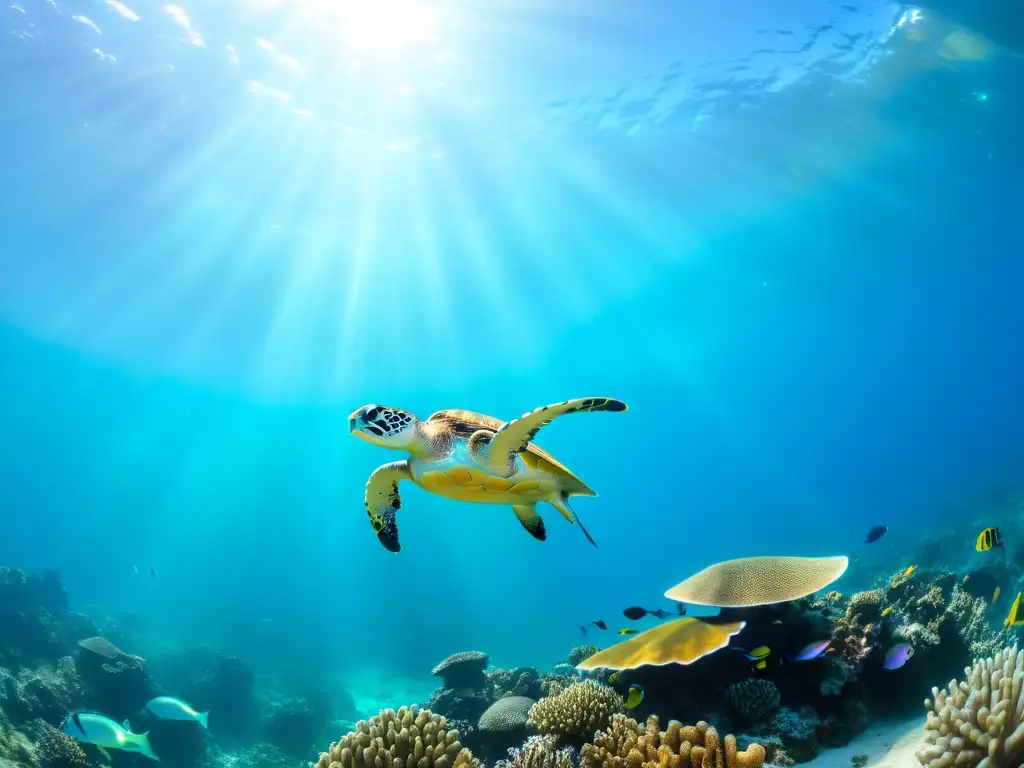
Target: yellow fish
x,y
888,610
761,664
909,572
614,677
1014,618
995,595
636,695
761,652
627,631
988,538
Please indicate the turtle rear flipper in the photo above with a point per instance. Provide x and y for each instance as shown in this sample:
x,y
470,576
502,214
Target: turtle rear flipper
x,y
496,451
532,522
383,501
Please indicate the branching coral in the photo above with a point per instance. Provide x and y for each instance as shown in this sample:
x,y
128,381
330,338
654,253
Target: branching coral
x,y
539,752
753,698
575,713
627,744
978,722
408,738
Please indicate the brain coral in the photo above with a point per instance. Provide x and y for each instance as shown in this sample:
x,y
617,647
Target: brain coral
x,y
575,713
627,744
404,739
978,722
508,714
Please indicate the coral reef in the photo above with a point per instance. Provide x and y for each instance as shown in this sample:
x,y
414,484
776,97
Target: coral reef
x,y
581,653
539,752
463,670
293,724
979,721
754,581
753,698
407,738
572,715
502,726
627,744
56,750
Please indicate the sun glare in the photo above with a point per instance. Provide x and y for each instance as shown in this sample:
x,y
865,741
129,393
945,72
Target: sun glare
x,y
382,27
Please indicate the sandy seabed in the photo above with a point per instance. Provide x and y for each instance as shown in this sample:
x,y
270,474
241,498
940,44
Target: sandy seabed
x,y
887,745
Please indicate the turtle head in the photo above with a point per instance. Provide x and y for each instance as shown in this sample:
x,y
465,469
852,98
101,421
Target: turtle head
x,y
383,426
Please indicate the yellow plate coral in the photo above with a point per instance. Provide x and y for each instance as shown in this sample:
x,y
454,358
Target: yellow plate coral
x,y
751,581
682,641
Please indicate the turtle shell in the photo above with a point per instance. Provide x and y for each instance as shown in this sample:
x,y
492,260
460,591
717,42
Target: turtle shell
x,y
465,423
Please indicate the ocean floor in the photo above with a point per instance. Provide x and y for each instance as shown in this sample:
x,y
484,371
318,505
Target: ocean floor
x,y
886,744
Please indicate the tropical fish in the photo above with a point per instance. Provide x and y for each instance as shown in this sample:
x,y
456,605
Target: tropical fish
x,y
909,572
583,630
680,609
635,696
614,678
898,655
599,624
876,533
889,609
761,652
761,664
1014,618
995,595
170,708
93,728
627,631
987,539
812,651
635,613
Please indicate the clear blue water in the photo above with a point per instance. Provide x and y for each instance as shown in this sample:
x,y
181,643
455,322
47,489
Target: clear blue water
x,y
788,236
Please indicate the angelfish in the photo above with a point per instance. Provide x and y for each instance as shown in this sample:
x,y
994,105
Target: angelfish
x,y
170,708
93,728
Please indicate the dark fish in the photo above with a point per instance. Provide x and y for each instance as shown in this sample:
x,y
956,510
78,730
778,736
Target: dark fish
x,y
599,624
78,722
583,630
987,539
635,612
680,609
876,533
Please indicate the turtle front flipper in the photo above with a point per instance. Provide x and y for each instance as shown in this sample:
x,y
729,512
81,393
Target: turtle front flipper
x,y
383,501
532,522
496,451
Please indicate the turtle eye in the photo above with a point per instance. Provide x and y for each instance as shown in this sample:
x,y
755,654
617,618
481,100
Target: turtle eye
x,y
372,413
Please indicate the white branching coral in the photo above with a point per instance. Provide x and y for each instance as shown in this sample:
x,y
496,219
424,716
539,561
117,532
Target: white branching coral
x,y
977,723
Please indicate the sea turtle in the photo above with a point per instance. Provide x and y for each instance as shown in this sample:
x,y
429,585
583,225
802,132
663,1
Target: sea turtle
x,y
467,456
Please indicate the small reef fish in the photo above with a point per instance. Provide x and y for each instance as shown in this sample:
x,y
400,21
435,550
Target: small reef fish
x,y
1013,619
995,596
876,533
599,624
760,653
614,677
886,611
93,728
680,609
635,696
813,650
170,708
627,631
583,630
898,655
761,664
909,572
987,539
777,621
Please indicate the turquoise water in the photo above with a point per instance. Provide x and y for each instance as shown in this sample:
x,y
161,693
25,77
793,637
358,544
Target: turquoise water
x,y
788,237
